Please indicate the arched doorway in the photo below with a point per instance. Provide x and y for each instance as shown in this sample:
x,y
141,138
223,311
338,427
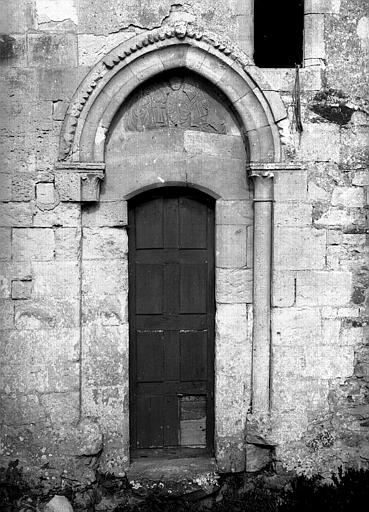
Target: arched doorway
x,y
171,316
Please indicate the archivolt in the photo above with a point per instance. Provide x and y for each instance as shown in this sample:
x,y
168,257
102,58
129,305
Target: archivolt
x,y
110,82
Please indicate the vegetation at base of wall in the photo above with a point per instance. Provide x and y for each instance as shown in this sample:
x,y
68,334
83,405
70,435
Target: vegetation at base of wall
x,y
348,491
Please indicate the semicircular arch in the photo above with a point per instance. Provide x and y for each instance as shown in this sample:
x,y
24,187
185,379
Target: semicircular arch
x,y
131,64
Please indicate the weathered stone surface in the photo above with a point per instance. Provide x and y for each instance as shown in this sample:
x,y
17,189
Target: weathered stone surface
x,y
102,277
18,16
35,244
104,243
231,246
290,186
23,187
52,50
320,142
15,214
5,244
292,214
257,457
296,326
21,289
59,504
67,215
67,243
234,286
47,314
105,214
22,410
61,408
59,279
90,438
234,212
348,196
283,289
323,288
337,217
299,248
314,43
6,314
322,6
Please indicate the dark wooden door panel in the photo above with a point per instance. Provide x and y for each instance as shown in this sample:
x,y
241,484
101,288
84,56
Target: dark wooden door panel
x,y
171,309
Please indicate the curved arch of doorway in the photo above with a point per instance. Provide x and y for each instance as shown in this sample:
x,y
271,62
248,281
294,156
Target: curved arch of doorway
x,y
113,79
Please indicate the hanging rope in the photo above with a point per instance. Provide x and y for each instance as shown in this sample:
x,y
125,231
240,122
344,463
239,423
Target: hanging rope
x,y
296,101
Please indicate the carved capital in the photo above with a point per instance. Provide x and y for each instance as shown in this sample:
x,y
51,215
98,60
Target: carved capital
x,y
79,181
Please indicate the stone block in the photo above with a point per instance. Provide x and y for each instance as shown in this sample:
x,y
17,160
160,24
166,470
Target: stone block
x,y
231,246
22,410
350,197
41,347
257,457
42,378
6,314
102,277
58,279
67,243
104,243
17,16
13,50
337,217
60,83
64,214
37,244
316,193
322,288
21,289
290,186
314,44
320,142
111,214
5,187
52,50
59,504
296,326
103,402
15,214
249,246
282,79
234,285
105,309
361,178
10,271
59,110
330,331
231,331
354,148
322,6
47,314
5,244
105,362
299,248
234,212
197,142
352,336
61,408
331,361
283,289
292,214
23,187
45,193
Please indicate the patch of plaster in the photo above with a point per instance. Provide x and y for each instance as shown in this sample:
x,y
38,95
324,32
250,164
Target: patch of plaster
x,y
54,10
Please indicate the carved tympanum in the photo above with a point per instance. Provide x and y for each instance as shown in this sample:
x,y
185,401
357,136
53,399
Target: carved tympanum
x,y
175,102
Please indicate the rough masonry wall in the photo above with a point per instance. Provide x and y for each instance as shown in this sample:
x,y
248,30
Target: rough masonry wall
x,y
320,378
320,392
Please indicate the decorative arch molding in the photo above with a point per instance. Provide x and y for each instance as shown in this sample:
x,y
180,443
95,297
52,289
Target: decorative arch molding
x,y
109,83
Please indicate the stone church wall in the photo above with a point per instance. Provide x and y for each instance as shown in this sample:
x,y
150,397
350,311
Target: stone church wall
x,y
61,263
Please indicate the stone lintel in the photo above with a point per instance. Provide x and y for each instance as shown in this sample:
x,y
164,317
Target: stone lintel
x,y
267,169
79,181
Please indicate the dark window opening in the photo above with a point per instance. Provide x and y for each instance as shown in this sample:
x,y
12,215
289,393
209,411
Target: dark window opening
x,y
279,28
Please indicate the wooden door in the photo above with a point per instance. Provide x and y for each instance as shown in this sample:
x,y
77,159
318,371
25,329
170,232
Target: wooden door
x,y
171,303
